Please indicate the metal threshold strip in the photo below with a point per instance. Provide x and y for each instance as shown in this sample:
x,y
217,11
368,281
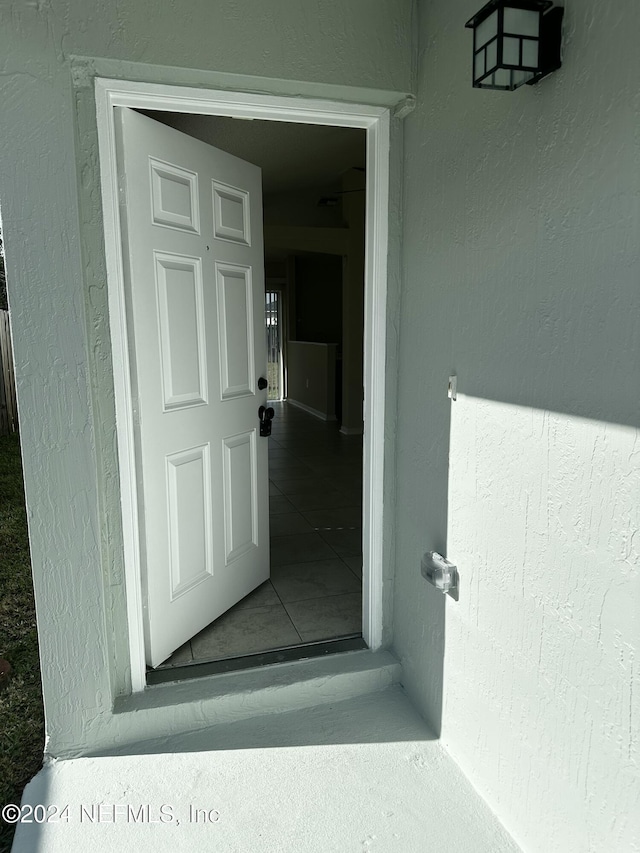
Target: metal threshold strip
x,y
350,643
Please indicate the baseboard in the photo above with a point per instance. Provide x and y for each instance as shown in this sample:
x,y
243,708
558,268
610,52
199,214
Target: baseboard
x,y
315,412
351,430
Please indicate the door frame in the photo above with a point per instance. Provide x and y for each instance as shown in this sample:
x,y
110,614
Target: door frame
x,y
375,120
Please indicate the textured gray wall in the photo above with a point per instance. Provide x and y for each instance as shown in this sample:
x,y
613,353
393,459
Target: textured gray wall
x,y
51,211
522,275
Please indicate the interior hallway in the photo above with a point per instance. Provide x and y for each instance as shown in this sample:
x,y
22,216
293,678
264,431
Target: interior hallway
x,y
315,589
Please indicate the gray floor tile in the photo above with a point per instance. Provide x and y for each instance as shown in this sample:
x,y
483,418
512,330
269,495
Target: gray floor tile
x,y
334,464
300,448
336,517
355,564
343,484
302,581
324,618
286,463
273,489
291,472
279,504
241,632
301,548
288,524
334,454
320,500
302,487
280,453
180,656
263,596
346,543
354,494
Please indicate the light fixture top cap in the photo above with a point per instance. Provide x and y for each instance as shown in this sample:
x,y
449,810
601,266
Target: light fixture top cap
x,y
532,5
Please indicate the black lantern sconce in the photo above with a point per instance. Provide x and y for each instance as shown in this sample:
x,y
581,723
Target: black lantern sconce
x,y
515,42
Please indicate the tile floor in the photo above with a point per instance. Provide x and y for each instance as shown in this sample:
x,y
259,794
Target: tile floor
x,y
315,507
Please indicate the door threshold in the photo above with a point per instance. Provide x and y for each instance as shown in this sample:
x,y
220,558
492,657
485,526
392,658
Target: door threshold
x,y
350,643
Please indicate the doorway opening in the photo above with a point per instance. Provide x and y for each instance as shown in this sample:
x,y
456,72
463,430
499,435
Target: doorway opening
x,y
274,320
313,183
192,105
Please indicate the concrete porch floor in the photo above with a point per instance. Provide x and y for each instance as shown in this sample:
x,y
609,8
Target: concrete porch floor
x,y
365,774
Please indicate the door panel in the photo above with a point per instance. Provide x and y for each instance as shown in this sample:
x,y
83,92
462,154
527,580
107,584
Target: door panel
x,y
174,196
193,256
240,507
190,511
181,321
235,330
231,219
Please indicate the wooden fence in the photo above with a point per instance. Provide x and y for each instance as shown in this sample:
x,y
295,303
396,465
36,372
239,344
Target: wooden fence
x,y
8,407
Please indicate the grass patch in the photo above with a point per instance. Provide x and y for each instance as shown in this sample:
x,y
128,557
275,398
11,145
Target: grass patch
x,y
21,712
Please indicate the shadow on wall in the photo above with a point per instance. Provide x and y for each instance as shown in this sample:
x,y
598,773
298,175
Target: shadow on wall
x,y
424,610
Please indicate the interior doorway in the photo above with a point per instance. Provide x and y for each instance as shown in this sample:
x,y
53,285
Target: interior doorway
x,y
313,597
274,320
112,94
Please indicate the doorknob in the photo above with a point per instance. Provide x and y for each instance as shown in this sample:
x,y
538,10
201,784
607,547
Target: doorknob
x,y
266,416
262,383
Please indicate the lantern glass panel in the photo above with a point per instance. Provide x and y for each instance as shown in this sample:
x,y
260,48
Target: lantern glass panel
x,y
522,22
486,30
479,65
502,77
511,51
492,54
530,53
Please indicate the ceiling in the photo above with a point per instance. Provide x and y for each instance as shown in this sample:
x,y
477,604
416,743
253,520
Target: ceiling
x,y
292,156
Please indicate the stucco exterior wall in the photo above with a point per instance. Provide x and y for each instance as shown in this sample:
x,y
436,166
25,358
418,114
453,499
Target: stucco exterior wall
x,y
51,213
522,276
521,273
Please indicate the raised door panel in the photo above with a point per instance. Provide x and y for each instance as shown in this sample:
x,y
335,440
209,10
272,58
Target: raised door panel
x,y
189,516
181,322
240,495
231,219
174,196
235,330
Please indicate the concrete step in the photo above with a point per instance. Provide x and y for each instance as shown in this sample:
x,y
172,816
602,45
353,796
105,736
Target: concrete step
x,y
362,774
165,710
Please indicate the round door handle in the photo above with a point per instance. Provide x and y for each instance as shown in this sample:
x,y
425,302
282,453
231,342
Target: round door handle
x,y
262,383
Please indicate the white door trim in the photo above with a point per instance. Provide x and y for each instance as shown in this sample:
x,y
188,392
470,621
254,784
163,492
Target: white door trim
x,y
376,121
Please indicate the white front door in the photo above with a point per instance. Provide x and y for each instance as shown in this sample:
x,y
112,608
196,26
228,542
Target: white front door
x,y
193,253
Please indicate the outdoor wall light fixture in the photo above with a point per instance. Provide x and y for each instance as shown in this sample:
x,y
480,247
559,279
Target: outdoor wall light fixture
x,y
515,42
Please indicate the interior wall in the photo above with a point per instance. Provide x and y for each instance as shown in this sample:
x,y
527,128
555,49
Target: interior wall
x,y
311,378
302,209
521,275
52,226
318,301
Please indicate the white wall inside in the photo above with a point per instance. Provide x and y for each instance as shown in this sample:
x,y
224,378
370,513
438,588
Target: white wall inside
x,y
521,271
311,373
